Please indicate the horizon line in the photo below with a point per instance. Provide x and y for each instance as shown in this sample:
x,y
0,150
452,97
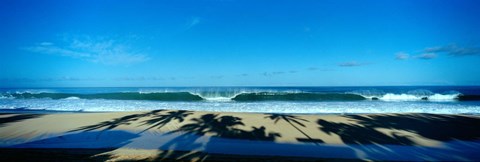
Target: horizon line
x,y
273,86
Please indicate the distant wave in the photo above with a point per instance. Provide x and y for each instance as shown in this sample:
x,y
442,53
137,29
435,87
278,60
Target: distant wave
x,y
409,97
167,96
267,96
246,96
72,98
187,96
413,95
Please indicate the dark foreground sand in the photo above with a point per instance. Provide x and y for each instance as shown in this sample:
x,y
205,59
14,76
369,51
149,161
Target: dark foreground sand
x,y
214,136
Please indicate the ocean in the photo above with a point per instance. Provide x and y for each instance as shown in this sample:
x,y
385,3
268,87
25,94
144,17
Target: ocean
x,y
298,100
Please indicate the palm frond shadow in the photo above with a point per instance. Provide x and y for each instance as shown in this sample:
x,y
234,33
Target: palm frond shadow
x,y
226,127
355,134
434,127
213,125
18,118
431,126
114,123
294,121
160,120
111,124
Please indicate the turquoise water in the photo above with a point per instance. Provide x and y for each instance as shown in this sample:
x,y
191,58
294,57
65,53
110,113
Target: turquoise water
x,y
314,100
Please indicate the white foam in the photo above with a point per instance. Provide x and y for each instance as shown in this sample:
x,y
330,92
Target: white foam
x,y
218,99
409,97
440,97
5,97
257,107
216,96
150,91
72,98
400,97
33,91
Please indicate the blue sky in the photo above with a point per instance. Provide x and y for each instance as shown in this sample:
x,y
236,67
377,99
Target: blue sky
x,y
239,43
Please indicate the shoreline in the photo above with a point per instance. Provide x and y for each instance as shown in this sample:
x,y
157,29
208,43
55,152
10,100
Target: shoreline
x,y
34,111
190,135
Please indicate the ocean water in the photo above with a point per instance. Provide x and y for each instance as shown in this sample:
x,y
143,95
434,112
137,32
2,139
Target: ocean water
x,y
304,100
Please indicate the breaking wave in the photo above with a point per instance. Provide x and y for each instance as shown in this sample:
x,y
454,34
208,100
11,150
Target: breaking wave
x,y
250,96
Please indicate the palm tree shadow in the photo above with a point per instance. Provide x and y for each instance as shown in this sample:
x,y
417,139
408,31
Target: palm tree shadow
x,y
373,132
356,134
293,121
114,123
213,125
221,126
111,124
160,120
18,118
226,127
176,144
69,147
432,126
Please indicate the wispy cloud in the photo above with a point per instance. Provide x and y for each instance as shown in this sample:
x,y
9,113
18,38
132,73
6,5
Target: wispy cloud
x,y
217,76
269,74
266,74
433,52
46,43
426,56
402,56
287,72
141,78
351,64
50,48
194,21
312,68
98,51
49,79
454,50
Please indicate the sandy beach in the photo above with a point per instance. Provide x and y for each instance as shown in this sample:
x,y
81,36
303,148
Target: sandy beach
x,y
204,136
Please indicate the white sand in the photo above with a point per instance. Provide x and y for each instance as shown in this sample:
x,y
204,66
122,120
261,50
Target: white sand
x,y
197,134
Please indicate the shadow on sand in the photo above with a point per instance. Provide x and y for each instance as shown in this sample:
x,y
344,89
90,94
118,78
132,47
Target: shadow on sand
x,y
159,120
294,121
72,147
17,118
114,123
431,126
459,135
202,133
215,126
